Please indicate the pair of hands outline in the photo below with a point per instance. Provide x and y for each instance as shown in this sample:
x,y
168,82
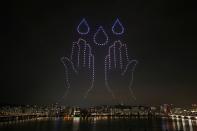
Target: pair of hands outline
x,y
82,59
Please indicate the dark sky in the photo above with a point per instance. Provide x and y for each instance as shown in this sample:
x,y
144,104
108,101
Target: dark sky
x,y
160,34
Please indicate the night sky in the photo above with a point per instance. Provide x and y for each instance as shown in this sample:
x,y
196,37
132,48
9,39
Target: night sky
x,y
160,34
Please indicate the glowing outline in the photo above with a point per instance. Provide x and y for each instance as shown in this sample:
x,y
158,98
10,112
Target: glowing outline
x,y
117,22
108,62
95,34
108,59
86,23
90,55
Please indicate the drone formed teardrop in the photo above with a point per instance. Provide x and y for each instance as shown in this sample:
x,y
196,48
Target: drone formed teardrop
x,y
116,26
100,30
81,25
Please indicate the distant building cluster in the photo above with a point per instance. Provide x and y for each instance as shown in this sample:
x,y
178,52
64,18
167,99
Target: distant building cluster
x,y
41,110
56,110
190,111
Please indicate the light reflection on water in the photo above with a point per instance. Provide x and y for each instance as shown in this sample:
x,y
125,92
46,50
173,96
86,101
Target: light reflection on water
x,y
190,125
102,124
76,122
182,124
178,123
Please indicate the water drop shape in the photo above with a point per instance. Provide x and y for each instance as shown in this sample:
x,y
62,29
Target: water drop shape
x,y
102,36
117,27
83,27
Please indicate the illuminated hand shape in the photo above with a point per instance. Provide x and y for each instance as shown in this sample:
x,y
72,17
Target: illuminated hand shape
x,y
119,73
79,70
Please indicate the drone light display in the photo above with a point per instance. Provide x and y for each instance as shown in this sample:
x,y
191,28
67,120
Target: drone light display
x,y
116,59
83,24
117,28
81,58
100,31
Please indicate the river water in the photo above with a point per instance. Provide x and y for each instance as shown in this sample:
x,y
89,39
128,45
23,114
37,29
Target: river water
x,y
101,124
